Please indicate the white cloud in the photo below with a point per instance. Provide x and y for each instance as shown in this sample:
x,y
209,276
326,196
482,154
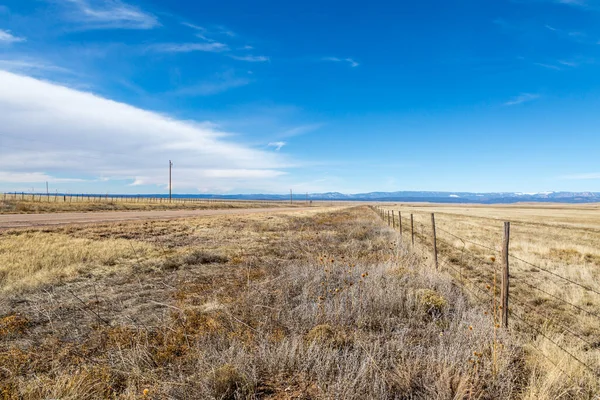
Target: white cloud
x,y
242,173
193,26
29,66
33,177
522,98
7,37
251,58
107,14
54,132
277,145
213,47
352,62
336,59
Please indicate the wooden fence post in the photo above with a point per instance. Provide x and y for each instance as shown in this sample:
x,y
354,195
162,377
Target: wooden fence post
x,y
412,230
400,223
388,216
505,275
435,255
393,220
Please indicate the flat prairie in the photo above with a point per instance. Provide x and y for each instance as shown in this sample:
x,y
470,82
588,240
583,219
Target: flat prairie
x,y
320,303
35,204
554,266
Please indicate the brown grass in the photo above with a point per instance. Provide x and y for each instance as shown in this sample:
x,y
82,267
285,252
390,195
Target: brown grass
x,y
29,204
562,239
314,305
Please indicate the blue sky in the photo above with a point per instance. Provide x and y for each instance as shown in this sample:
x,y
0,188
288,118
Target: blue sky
x,y
263,96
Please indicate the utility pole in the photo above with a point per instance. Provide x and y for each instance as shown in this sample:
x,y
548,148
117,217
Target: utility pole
x,y
170,185
47,191
291,197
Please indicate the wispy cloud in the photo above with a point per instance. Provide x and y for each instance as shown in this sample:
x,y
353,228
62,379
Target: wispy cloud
x,y
214,47
219,83
277,145
216,39
206,33
210,88
7,37
562,64
250,58
109,14
548,66
586,176
347,60
522,98
193,26
299,130
29,66
572,64
579,3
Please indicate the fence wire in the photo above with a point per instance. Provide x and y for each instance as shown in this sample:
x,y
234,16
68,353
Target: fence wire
x,y
513,311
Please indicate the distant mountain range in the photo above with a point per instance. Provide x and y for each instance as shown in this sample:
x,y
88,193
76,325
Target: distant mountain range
x,y
434,197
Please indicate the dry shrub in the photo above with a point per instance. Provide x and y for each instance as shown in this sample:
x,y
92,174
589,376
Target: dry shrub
x,y
196,257
325,334
432,301
227,383
13,325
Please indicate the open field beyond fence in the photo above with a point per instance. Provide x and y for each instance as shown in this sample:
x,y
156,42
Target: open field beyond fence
x,y
44,203
554,263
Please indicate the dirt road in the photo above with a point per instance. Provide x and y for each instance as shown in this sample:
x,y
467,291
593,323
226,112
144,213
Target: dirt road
x,y
35,220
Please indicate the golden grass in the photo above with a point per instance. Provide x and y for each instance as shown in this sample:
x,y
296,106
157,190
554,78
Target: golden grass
x,y
29,204
31,259
563,239
312,304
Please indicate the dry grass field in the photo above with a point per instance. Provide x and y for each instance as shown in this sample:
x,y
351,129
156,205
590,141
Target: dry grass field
x,y
41,204
550,242
311,304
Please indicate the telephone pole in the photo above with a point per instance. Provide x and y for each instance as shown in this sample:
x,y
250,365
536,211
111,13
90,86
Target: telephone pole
x,y
170,185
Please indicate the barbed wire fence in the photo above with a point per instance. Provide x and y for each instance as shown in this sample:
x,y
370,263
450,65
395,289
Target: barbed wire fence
x,y
56,197
478,275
